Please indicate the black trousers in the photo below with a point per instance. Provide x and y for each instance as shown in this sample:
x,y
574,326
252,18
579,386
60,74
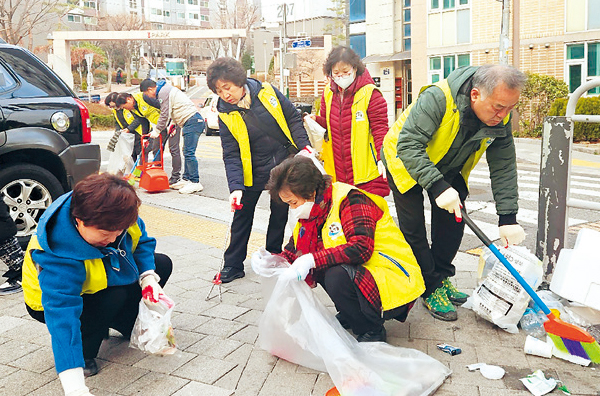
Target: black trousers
x,y
435,260
115,307
241,227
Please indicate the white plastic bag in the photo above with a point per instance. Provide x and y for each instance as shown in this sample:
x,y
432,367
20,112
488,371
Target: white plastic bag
x,y
120,161
297,327
499,298
152,331
315,133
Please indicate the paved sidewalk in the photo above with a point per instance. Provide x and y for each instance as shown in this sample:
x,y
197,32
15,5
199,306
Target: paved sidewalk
x,y
218,352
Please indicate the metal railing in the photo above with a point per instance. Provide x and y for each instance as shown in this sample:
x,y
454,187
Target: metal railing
x,y
555,180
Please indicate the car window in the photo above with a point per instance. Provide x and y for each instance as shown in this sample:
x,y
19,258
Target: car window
x,y
7,82
35,78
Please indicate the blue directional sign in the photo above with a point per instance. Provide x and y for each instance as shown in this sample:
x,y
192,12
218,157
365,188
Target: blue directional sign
x,y
301,43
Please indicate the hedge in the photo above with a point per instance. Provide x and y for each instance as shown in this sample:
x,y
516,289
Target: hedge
x,y
583,131
100,121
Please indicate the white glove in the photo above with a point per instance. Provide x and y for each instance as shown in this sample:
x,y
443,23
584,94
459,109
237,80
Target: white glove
x,y
310,152
150,288
381,169
449,200
300,268
511,234
154,133
258,260
235,198
73,382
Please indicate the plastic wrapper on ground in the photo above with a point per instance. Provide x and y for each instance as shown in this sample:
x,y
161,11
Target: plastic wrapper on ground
x,y
297,327
152,332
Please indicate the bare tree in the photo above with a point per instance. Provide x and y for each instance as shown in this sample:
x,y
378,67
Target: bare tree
x,y
243,15
19,19
308,62
125,48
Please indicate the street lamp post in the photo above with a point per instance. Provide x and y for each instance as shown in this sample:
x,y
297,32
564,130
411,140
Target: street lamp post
x,y
504,41
89,58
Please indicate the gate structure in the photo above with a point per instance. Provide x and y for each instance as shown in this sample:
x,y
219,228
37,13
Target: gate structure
x,y
555,172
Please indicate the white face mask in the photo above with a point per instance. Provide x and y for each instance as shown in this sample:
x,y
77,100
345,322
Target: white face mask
x,y
302,212
345,81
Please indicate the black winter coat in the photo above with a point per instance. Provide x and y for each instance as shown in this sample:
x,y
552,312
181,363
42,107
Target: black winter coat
x,y
266,151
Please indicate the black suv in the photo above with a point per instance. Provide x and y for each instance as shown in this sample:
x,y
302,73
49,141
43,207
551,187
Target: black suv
x,y
45,137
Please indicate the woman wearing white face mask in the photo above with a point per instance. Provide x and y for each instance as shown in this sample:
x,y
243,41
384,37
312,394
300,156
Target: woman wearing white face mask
x,y
355,115
346,241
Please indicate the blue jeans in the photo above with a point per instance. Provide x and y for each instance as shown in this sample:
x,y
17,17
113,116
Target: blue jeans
x,y
191,132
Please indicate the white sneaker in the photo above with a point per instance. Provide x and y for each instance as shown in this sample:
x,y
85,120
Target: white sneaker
x,y
10,287
180,184
191,188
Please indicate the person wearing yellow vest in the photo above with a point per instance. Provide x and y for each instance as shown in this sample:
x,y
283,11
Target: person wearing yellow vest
x,y
84,272
126,122
433,146
354,114
259,127
346,240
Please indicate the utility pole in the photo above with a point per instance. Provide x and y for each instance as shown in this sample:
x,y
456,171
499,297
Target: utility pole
x,y
504,41
284,52
516,51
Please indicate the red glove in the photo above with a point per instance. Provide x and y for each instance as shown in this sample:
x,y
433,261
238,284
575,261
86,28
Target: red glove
x,y
172,130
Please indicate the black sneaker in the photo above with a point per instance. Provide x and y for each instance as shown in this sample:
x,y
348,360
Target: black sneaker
x,y
11,286
91,368
342,321
229,274
373,335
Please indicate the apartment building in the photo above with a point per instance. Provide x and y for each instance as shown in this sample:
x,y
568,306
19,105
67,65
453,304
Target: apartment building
x,y
407,44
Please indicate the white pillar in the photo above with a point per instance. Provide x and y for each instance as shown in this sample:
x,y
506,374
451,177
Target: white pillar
x,y
61,61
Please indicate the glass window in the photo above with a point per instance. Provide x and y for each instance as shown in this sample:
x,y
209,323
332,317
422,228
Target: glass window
x,y
463,26
435,78
435,4
574,77
357,10
593,59
407,30
407,15
448,65
167,13
435,63
594,14
464,60
7,82
358,42
407,44
448,4
463,2
575,51
181,15
406,3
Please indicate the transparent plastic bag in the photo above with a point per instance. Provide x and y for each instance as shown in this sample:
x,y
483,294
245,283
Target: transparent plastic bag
x,y
500,298
120,161
152,332
315,133
297,327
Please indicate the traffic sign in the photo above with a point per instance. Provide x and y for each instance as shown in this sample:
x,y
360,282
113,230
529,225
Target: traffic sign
x,y
301,43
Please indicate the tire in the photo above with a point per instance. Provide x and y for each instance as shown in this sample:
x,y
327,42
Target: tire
x,y
28,190
211,132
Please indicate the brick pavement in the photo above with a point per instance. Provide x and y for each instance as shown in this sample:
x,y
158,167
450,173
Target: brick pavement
x,y
218,355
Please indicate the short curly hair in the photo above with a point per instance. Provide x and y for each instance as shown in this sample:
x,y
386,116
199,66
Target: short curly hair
x,y
225,69
346,55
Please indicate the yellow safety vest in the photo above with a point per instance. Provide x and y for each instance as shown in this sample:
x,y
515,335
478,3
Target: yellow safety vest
x,y
437,147
151,113
237,126
128,118
392,265
363,152
95,279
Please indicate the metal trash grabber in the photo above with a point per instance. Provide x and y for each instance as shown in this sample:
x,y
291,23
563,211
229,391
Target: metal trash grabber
x,y
217,279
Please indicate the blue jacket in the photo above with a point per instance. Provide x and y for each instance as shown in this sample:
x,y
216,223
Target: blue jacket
x,y
266,151
62,274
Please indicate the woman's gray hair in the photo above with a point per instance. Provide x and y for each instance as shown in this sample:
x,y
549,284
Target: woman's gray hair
x,y
488,77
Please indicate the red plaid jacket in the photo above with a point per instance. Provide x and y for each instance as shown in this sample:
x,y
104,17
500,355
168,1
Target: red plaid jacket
x,y
359,216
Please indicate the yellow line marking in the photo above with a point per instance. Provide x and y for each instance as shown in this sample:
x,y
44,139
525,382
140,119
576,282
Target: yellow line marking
x,y
589,164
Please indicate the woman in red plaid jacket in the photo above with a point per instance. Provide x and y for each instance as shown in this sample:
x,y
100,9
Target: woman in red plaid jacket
x,y
346,241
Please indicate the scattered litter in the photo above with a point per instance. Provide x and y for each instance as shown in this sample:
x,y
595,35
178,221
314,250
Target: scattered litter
x,y
537,347
561,387
449,349
487,370
538,384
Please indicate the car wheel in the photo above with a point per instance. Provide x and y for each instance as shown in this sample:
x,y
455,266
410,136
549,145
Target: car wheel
x,y
211,132
28,190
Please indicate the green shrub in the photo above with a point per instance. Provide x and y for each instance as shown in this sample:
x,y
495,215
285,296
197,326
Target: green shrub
x,y
535,101
584,131
100,121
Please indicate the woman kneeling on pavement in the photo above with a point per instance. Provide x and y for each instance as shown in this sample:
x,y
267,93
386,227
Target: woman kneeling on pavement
x,y
346,241
84,273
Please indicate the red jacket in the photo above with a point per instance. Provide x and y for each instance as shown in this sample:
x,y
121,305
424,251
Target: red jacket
x,y
341,123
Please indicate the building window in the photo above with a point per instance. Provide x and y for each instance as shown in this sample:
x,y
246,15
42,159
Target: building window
x,y
181,15
167,13
180,2
406,30
358,42
204,18
155,11
193,16
74,18
90,20
204,4
132,3
193,2
446,4
89,4
449,23
440,67
582,64
582,15
357,11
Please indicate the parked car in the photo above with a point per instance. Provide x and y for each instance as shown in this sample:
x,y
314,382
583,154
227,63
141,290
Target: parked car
x,y
45,137
209,112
